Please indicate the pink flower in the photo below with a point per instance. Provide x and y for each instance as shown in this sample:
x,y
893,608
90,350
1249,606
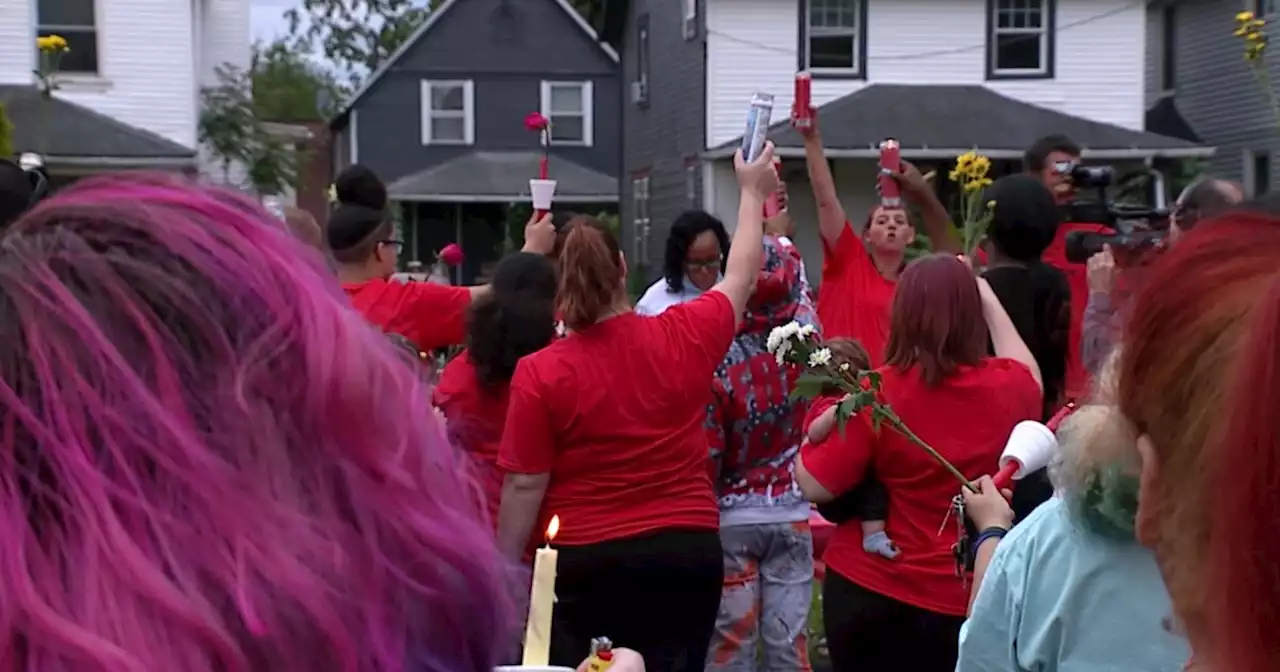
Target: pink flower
x,y
534,121
451,255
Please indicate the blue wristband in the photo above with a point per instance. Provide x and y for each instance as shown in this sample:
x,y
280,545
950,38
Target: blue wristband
x,y
989,533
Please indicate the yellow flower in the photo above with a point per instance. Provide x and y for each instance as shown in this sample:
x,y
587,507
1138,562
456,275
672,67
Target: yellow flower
x,y
1243,17
979,167
52,44
991,205
977,184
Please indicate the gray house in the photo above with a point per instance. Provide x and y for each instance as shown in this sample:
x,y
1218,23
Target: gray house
x,y
1199,86
442,122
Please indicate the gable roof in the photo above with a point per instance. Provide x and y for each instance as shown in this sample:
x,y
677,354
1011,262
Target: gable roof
x,y
429,23
944,120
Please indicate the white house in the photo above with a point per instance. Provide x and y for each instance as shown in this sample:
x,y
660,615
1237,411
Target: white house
x,y
940,76
128,91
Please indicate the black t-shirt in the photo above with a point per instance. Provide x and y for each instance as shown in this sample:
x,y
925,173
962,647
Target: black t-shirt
x,y
1038,301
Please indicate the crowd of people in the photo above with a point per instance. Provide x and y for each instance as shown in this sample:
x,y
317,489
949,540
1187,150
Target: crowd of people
x,y
222,452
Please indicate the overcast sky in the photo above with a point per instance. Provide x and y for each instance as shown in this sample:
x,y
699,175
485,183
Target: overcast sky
x,y
267,17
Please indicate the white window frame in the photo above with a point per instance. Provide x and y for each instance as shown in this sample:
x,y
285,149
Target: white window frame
x,y
640,221
468,113
65,29
588,108
1263,8
690,19
1046,7
859,32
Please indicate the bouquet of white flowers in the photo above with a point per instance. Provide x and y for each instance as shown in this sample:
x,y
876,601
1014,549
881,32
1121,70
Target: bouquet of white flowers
x,y
798,344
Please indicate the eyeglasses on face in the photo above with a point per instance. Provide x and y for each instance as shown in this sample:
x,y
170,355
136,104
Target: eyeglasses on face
x,y
710,265
398,244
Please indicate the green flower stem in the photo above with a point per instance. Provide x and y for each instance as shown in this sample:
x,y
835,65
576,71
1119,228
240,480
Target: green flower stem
x,y
901,427
1264,79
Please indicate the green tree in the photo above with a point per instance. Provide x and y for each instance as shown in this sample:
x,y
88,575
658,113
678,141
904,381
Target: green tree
x,y
233,132
289,87
357,36
6,135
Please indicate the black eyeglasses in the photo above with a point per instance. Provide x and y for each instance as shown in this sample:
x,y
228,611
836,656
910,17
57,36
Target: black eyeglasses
x,y
712,265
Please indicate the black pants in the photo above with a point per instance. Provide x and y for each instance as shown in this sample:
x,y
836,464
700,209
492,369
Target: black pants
x,y
657,594
868,632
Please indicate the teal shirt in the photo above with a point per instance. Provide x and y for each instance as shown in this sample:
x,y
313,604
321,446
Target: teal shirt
x,y
1057,598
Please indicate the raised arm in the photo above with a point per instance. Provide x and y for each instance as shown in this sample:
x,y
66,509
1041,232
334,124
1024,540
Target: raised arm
x,y
539,238
933,214
756,180
831,216
1004,336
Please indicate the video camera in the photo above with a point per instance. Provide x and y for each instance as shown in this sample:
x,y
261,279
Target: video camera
x,y
22,185
1136,228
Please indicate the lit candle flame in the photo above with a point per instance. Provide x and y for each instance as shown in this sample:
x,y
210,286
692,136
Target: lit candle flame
x,y
552,528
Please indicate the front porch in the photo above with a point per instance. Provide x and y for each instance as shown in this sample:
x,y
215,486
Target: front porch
x,y
76,142
481,202
934,124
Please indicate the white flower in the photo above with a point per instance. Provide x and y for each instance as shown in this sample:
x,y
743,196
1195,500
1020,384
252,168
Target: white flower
x,y
844,367
780,353
806,331
779,336
820,357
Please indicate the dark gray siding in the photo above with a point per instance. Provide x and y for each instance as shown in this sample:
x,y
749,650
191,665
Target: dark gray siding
x,y
663,136
1217,91
506,48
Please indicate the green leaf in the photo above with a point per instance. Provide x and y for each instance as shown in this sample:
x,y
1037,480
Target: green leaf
x,y
874,379
810,385
846,409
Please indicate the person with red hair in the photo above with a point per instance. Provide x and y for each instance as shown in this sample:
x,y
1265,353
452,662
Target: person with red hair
x,y
906,613
1199,378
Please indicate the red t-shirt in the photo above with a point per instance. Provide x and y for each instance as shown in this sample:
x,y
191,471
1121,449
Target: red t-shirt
x,y
967,418
616,415
855,301
429,315
476,416
1078,385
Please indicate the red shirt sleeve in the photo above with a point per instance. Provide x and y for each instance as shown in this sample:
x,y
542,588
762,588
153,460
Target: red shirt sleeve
x,y
1014,379
848,250
699,333
431,315
840,462
528,442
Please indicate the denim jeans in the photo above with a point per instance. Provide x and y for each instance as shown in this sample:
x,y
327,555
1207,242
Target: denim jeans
x,y
768,572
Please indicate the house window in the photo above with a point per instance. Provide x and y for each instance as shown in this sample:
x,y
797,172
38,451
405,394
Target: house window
x,y
1258,172
1020,38
448,113
640,87
1169,48
640,217
1264,7
75,21
833,36
690,19
568,106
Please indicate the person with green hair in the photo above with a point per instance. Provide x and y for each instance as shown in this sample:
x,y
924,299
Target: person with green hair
x,y
1069,587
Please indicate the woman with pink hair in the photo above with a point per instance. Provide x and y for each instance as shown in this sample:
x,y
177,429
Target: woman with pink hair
x,y
212,463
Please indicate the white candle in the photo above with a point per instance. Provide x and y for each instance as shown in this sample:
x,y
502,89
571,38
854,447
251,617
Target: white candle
x,y
537,631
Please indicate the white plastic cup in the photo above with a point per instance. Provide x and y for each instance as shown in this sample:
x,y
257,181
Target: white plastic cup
x,y
543,191
532,668
1032,445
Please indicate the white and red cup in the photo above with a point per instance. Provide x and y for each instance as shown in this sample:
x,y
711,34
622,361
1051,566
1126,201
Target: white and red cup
x,y
532,668
1030,448
543,192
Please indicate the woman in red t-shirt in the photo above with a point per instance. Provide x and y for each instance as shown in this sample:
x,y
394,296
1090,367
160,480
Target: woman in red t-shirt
x,y
906,613
859,272
605,429
515,319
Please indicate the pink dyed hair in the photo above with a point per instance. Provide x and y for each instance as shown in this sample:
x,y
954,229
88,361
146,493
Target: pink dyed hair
x,y
211,463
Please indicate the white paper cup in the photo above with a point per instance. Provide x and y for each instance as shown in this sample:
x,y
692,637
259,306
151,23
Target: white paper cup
x,y
1032,445
543,191
532,668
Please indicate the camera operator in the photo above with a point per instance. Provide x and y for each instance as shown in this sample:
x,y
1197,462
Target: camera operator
x,y
1052,159
1204,198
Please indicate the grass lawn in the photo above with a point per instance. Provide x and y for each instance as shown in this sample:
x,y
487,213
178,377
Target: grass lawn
x,y
817,633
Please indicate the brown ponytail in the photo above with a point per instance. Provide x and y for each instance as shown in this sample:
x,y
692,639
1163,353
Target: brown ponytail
x,y
590,265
